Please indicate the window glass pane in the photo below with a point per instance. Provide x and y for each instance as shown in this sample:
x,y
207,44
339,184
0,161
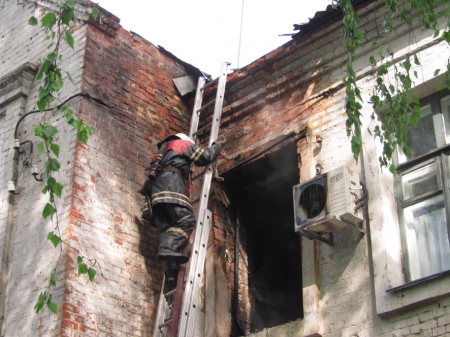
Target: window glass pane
x,y
445,108
426,238
421,138
419,181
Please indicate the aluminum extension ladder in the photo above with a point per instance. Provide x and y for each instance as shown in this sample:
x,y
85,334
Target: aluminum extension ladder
x,y
182,317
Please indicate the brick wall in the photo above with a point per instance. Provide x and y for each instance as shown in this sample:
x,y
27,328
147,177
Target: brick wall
x,y
100,208
278,93
131,73
281,92
28,257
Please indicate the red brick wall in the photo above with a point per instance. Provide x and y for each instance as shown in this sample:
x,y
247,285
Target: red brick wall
x,y
131,73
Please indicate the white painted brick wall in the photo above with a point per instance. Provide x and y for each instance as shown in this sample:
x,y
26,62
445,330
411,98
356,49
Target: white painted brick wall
x,y
347,297
32,257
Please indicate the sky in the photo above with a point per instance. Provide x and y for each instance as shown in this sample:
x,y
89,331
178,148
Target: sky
x,y
206,33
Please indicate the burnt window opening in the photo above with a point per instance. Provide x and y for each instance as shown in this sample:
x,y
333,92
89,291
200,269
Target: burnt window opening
x,y
262,192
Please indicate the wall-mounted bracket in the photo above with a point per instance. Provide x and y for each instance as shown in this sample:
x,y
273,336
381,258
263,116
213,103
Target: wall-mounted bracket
x,y
311,236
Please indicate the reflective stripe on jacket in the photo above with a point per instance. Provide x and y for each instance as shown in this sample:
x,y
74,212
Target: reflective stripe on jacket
x,y
169,186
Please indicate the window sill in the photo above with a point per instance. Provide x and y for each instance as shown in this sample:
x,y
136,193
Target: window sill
x,y
423,157
418,281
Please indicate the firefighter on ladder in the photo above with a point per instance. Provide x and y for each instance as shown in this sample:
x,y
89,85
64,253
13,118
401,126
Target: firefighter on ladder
x,y
172,211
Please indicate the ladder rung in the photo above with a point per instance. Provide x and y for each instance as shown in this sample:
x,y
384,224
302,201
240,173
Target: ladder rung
x,y
210,84
199,131
206,105
166,323
170,293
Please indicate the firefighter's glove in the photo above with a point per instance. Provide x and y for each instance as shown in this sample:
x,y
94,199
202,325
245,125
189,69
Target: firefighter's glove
x,y
221,140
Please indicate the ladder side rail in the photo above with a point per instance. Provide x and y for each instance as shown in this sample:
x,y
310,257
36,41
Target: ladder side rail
x,y
219,104
178,297
188,310
199,272
162,313
185,308
197,106
188,315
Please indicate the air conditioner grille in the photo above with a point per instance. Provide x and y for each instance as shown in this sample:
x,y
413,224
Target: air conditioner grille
x,y
312,200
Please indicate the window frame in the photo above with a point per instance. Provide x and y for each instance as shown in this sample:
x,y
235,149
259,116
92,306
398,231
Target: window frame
x,y
440,157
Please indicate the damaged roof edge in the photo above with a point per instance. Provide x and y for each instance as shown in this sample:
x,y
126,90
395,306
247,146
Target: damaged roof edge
x,y
111,19
327,17
321,20
189,67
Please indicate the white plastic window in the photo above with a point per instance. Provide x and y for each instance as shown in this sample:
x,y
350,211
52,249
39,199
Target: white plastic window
x,y
424,202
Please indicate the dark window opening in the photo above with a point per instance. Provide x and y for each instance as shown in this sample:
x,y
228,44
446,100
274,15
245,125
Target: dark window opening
x,y
263,191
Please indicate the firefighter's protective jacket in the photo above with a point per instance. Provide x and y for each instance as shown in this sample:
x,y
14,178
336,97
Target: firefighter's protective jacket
x,y
170,183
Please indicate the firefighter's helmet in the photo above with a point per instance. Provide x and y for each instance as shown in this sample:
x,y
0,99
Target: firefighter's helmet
x,y
184,137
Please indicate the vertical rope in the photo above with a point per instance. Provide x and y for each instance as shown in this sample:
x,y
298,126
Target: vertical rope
x,y
240,35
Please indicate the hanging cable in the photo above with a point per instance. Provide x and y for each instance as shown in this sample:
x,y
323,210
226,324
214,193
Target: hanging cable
x,y
97,100
240,36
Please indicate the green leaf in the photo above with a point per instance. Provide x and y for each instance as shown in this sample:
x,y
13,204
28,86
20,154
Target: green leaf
x,y
57,189
91,273
51,182
55,239
380,49
69,77
38,130
52,57
49,210
57,84
407,64
436,72
436,34
49,20
416,100
67,15
416,60
392,169
42,103
83,132
68,38
44,69
446,36
95,13
53,307
79,259
52,165
82,269
55,149
32,21
414,119
49,131
41,147
439,85
52,281
40,302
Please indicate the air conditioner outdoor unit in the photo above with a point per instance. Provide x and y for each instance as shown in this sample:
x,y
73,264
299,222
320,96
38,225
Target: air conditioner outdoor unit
x,y
327,202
